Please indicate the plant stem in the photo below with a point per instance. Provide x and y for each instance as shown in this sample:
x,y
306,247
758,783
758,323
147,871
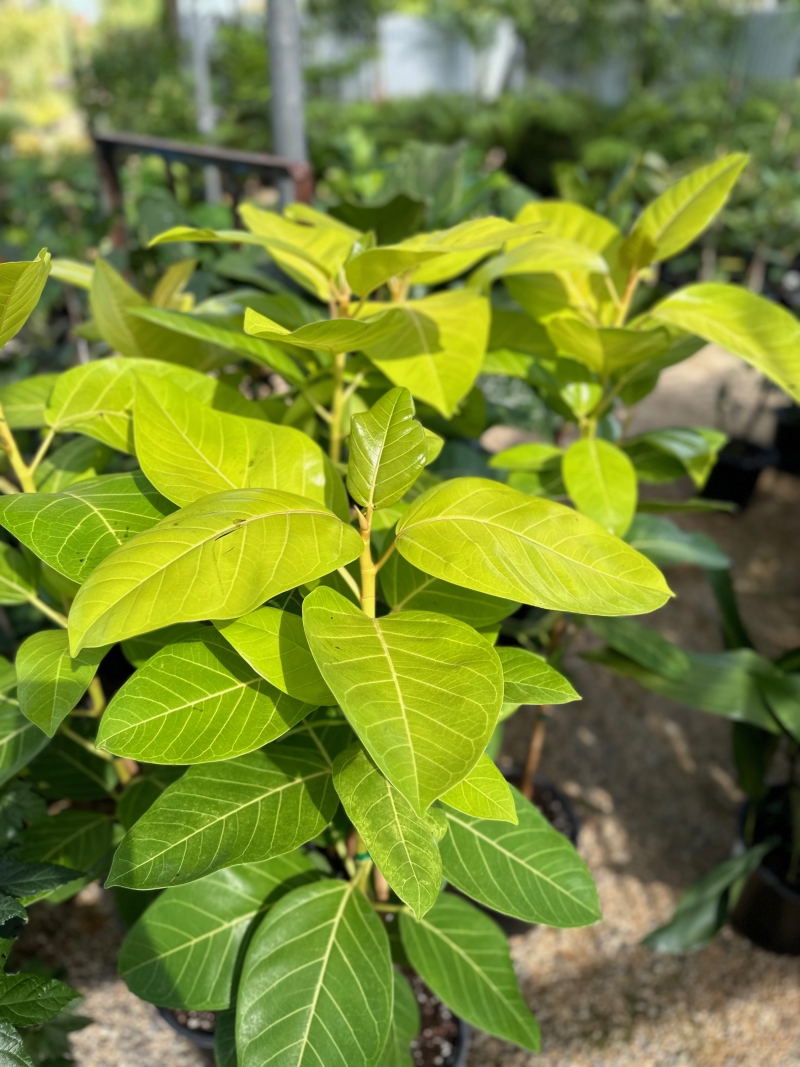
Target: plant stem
x,y
534,752
7,487
348,577
42,452
391,908
627,297
45,609
14,457
337,407
96,696
345,857
385,556
368,568
85,743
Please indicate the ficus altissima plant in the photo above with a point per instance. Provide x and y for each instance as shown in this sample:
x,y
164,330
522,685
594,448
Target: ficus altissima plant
x,y
244,497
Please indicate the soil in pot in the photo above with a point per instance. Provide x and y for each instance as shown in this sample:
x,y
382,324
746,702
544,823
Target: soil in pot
x,y
443,1039
768,909
197,1026
737,471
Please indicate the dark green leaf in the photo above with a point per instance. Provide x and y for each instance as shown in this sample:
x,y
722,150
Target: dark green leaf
x,y
27,999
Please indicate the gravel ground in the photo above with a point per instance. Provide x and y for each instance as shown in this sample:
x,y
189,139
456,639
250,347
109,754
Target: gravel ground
x,y
653,784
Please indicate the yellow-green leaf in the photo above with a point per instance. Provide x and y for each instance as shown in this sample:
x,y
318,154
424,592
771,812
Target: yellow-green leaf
x,y
21,286
602,482
484,793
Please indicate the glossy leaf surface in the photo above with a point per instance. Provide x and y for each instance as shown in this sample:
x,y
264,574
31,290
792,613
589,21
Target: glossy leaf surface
x,y
484,793
761,333
437,351
602,482
398,840
49,682
182,952
274,643
187,450
487,536
215,559
422,691
529,679
196,701
316,986
75,530
219,814
388,450
27,999
463,956
405,588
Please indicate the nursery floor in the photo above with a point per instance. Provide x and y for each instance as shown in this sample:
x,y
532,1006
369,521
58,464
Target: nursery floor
x,y
653,785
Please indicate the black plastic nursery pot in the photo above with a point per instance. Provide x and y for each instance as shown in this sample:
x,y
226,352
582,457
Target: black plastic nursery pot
x,y
737,471
787,439
443,1040
768,909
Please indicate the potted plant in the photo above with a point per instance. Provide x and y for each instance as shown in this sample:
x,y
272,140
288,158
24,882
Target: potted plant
x,y
758,888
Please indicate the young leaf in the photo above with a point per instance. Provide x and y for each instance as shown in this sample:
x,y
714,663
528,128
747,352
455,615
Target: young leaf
x,y
761,333
484,793
531,456
49,683
274,643
422,691
664,543
268,355
20,740
397,839
571,221
316,986
196,701
605,350
74,530
405,1026
602,482
529,679
330,335
182,954
405,588
437,350
256,542
220,814
187,450
388,451
24,402
541,255
21,286
672,221
463,956
71,838
28,999
529,870
16,581
486,536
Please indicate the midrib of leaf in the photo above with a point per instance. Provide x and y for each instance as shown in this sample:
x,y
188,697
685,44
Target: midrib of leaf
x,y
376,467
515,533
186,946
74,836
510,855
278,790
188,703
95,409
688,203
479,971
181,433
429,580
400,700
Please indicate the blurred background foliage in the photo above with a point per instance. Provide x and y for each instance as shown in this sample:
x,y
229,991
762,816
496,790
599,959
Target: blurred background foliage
x,y
459,155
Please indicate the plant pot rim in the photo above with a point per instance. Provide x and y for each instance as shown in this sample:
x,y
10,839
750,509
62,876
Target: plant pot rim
x,y
201,1038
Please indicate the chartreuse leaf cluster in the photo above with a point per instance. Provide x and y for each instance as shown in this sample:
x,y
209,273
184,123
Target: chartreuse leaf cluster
x,y
311,608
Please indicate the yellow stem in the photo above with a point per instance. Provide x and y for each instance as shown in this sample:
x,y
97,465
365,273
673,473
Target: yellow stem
x,y
337,407
627,297
84,743
368,569
348,577
45,609
385,556
7,487
43,447
14,457
96,696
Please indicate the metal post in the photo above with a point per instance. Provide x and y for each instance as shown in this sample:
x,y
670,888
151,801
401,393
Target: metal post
x,y
202,35
286,79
